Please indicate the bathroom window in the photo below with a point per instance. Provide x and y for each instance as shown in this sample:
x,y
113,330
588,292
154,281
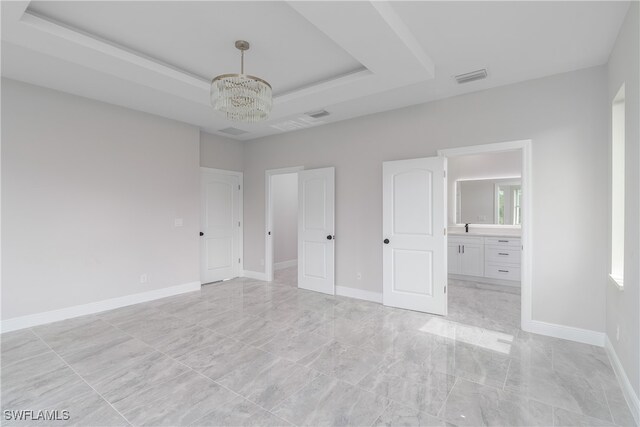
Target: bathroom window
x,y
617,188
517,200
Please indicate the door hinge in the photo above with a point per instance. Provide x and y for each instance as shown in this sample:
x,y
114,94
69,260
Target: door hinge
x,y
238,223
445,289
445,231
238,187
238,260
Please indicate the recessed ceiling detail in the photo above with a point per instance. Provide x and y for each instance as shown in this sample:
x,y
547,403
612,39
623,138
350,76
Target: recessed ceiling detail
x,y
161,56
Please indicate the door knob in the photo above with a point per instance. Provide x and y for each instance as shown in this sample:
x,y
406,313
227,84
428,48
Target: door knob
x,y
386,241
329,237
201,234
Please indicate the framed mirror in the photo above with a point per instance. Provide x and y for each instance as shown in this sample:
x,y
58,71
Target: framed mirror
x,y
489,201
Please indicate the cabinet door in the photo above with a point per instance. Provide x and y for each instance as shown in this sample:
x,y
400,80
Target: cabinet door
x,y
453,258
472,259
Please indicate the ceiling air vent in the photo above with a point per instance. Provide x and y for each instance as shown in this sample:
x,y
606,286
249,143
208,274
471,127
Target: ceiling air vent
x,y
472,76
233,131
318,114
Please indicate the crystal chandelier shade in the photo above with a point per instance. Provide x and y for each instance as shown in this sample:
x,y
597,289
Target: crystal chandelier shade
x,y
241,97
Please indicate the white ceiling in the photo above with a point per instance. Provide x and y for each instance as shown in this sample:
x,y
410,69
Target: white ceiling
x,y
350,58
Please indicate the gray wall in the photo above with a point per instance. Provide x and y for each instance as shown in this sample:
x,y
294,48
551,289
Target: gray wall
x,y
90,192
284,189
623,307
562,114
221,153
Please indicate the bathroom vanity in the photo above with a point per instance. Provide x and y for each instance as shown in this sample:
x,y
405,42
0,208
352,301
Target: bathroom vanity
x,y
489,258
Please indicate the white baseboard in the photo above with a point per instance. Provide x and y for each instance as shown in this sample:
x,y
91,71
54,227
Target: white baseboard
x,y
570,333
627,389
258,275
285,264
94,307
359,294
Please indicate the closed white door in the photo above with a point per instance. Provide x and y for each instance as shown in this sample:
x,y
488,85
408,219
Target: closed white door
x,y
316,202
219,226
414,240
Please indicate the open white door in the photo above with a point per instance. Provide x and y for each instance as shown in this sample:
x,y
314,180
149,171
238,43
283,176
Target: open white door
x,y
316,202
219,225
415,244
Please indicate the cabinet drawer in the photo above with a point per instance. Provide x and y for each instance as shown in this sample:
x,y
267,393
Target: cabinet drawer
x,y
506,272
503,241
507,255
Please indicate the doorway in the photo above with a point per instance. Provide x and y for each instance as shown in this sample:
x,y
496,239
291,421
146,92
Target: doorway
x,y
489,260
281,223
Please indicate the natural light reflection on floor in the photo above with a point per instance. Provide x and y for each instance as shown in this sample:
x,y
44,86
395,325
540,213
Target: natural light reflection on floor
x,y
491,340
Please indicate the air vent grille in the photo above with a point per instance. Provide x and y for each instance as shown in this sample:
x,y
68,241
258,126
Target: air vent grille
x,y
233,131
318,114
472,76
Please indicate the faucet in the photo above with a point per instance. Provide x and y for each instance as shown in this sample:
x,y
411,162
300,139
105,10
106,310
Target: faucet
x,y
466,228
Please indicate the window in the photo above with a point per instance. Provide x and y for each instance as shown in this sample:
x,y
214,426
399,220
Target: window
x,y
517,200
617,188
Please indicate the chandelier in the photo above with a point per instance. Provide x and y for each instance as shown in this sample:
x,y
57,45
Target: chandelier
x,y
241,97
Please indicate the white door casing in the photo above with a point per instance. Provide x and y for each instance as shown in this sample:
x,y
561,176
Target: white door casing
x,y
415,243
220,223
316,234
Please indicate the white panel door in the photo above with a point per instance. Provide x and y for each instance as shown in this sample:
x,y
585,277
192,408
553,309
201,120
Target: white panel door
x,y
414,241
316,202
219,226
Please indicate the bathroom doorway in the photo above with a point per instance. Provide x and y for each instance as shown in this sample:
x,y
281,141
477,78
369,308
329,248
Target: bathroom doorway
x,y
488,216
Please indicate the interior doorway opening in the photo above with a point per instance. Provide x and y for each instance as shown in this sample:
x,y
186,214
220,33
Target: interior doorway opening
x,y
281,251
489,234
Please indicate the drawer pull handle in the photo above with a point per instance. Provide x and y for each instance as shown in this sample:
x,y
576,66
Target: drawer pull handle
x,y
503,271
503,241
502,253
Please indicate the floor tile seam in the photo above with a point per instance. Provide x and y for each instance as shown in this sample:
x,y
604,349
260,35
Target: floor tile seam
x,y
248,400
506,376
440,414
384,409
45,351
84,380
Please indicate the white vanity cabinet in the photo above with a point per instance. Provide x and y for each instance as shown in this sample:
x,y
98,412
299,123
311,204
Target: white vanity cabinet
x,y
466,256
495,259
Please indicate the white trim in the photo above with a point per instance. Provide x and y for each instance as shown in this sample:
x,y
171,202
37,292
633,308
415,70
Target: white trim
x,y
240,176
570,333
285,264
345,291
627,389
268,218
94,307
257,275
526,269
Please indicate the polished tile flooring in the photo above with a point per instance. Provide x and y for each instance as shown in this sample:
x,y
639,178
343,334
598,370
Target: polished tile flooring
x,y
245,352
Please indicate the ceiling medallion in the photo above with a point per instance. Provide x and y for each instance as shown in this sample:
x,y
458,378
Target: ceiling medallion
x,y
241,97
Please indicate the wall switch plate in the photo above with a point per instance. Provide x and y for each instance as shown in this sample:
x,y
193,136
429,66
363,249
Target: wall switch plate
x,y
144,278
177,222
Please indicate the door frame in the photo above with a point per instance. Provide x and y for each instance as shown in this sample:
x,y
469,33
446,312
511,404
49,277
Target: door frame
x,y
268,217
527,209
240,176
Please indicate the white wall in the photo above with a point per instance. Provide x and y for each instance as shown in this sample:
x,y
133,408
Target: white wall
x,y
480,166
284,188
220,152
562,114
89,196
623,307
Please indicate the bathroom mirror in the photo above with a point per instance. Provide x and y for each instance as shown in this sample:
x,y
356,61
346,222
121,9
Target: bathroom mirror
x,y
489,201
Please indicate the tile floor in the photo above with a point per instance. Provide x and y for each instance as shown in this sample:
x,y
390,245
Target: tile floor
x,y
245,352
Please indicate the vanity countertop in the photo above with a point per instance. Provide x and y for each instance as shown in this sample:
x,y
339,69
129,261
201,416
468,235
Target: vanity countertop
x,y
472,233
